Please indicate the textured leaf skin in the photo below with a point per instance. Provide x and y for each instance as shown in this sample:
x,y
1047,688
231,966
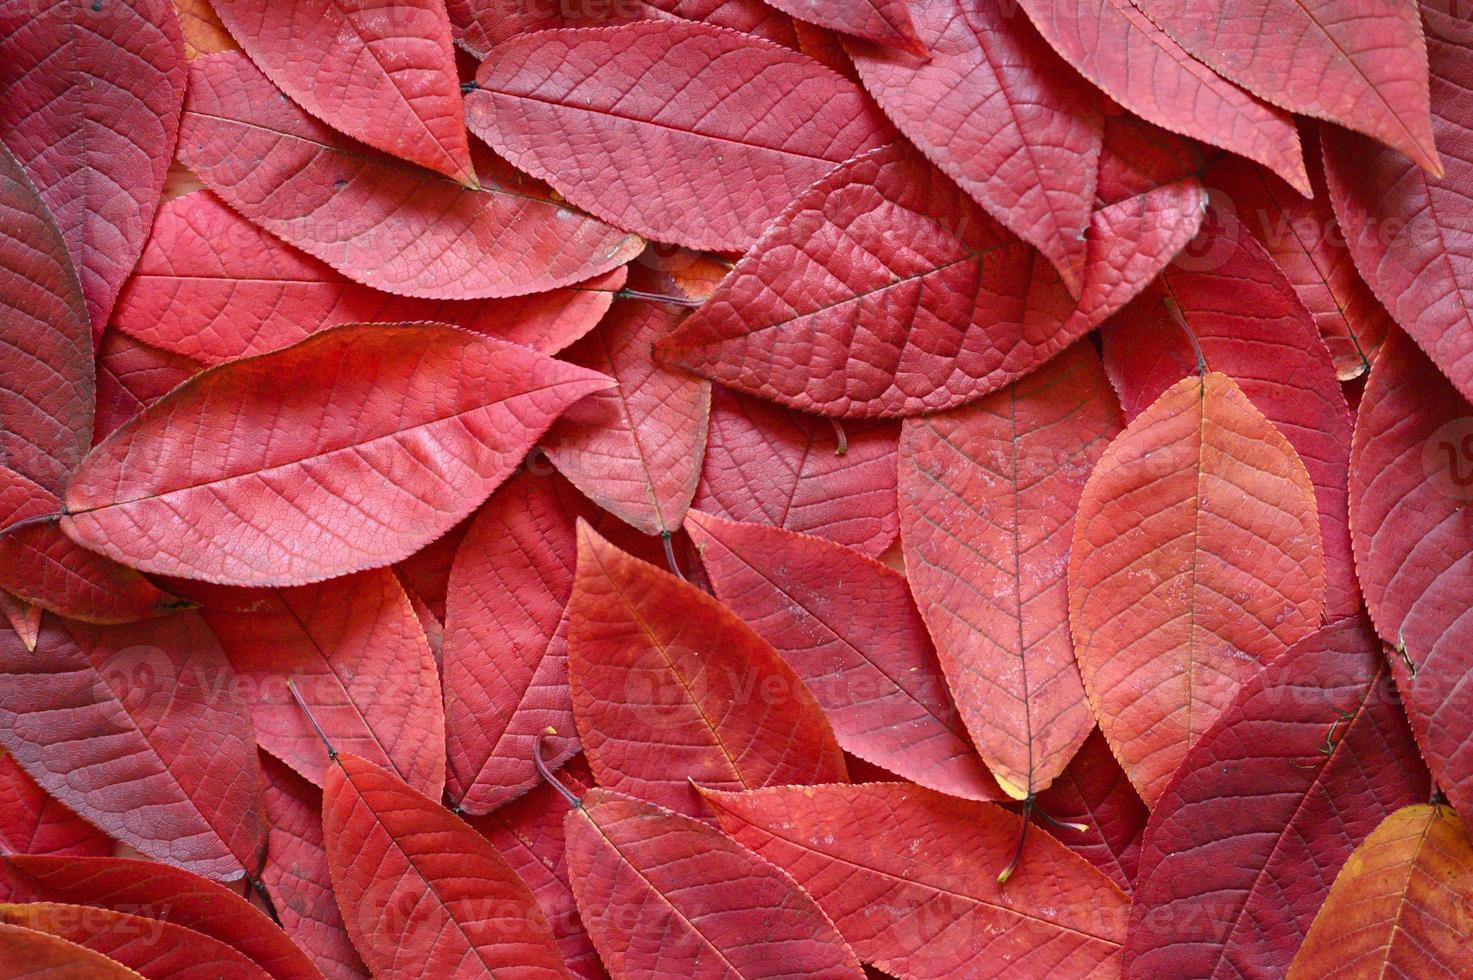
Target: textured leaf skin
x,y
479,25
29,955
358,656
141,729
163,892
202,30
1242,846
848,626
366,476
1399,907
711,132
1304,238
154,948
656,710
1196,558
635,449
666,895
529,834
378,221
1360,64
884,291
211,286
1117,47
910,878
996,110
1408,232
422,893
1248,324
1409,493
296,873
383,74
506,638
1094,791
766,464
988,494
23,617
89,104
33,822
884,22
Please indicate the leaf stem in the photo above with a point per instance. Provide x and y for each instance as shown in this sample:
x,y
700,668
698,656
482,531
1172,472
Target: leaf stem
x,y
291,685
665,539
31,521
658,298
1181,321
547,774
840,435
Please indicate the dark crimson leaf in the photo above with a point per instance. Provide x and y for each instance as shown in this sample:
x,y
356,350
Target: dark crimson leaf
x,y
1095,792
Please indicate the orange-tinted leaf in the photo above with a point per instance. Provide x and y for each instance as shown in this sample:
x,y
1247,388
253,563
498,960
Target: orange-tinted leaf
x,y
640,871
910,878
1195,559
656,707
422,893
988,494
848,626
1400,905
710,132
339,470
374,219
202,30
26,954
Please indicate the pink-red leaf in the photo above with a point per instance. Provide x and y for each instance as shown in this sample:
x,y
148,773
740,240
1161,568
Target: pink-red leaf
x,y
998,111
1095,792
665,895
910,878
884,291
384,439
884,22
709,133
89,104
1244,843
506,638
422,893
142,730
23,617
766,464
1196,558
656,710
211,286
33,822
1361,64
357,654
376,220
848,626
132,375
1410,488
382,73
1409,232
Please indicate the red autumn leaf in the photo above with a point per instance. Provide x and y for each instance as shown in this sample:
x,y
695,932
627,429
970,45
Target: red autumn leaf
x,y
1119,49
1410,486
1196,558
654,709
883,291
846,624
910,878
988,494
166,893
479,25
383,74
884,22
766,464
131,375
296,875
372,218
1409,231
710,132
1243,844
333,473
26,954
506,638
640,871
357,654
996,110
825,47
155,948
1245,319
1094,791
529,834
211,286
33,822
140,729
1399,904
23,617
422,893
1359,64
89,105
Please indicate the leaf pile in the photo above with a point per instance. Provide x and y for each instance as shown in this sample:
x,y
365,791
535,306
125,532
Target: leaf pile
x,y
736,488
